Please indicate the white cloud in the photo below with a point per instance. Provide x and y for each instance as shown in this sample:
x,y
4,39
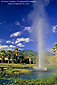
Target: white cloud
x,y
3,46
17,23
54,28
10,49
6,47
9,42
27,39
20,45
28,29
23,19
12,46
15,34
22,39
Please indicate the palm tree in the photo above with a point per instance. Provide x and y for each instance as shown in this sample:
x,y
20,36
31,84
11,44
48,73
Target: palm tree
x,y
30,56
17,52
55,48
19,55
13,56
2,53
9,52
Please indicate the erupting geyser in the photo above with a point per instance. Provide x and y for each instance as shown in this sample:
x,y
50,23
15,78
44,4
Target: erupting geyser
x,y
40,44
40,23
40,47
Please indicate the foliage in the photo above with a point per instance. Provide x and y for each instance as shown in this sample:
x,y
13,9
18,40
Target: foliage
x,y
17,80
17,65
30,54
55,48
17,71
30,51
17,56
55,45
48,81
51,59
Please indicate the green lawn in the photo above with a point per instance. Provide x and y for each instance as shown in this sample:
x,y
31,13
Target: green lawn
x,y
17,65
25,65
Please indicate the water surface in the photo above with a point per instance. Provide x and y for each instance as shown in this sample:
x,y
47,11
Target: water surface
x,y
35,74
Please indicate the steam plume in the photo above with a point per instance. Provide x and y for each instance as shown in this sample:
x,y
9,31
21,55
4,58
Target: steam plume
x,y
40,27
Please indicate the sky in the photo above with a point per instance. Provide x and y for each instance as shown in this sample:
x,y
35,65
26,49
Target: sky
x,y
16,26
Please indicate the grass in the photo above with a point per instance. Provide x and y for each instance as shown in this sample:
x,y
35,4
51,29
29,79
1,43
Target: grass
x,y
6,65
17,71
17,80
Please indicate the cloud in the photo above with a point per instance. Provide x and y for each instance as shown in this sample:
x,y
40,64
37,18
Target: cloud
x,y
28,29
22,39
17,23
0,23
15,34
23,19
9,42
12,46
0,40
6,47
10,49
47,2
54,28
20,45
3,46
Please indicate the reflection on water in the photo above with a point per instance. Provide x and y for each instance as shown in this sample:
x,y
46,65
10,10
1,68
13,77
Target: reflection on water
x,y
6,82
35,74
38,74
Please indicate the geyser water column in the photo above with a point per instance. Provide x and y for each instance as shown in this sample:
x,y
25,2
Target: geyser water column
x,y
40,23
40,44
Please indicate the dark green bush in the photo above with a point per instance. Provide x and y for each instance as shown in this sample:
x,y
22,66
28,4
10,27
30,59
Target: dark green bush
x,y
48,81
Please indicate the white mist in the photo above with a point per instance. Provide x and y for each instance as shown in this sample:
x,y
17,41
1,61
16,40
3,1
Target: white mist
x,y
40,45
40,26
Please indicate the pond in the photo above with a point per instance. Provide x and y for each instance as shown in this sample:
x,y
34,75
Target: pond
x,y
39,74
6,82
35,74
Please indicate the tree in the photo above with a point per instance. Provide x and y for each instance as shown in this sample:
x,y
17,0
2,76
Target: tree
x,y
17,52
21,57
13,56
55,48
30,56
9,52
2,53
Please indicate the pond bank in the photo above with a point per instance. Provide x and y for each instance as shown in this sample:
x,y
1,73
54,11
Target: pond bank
x,y
47,81
15,79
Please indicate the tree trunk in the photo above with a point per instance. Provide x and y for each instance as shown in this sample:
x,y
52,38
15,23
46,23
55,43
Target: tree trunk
x,y
8,61
2,59
29,60
56,53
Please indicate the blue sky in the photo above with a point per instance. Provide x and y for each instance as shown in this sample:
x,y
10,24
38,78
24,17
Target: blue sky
x,y
15,26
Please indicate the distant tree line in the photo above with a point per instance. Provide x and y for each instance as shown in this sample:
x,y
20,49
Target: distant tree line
x,y
16,56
